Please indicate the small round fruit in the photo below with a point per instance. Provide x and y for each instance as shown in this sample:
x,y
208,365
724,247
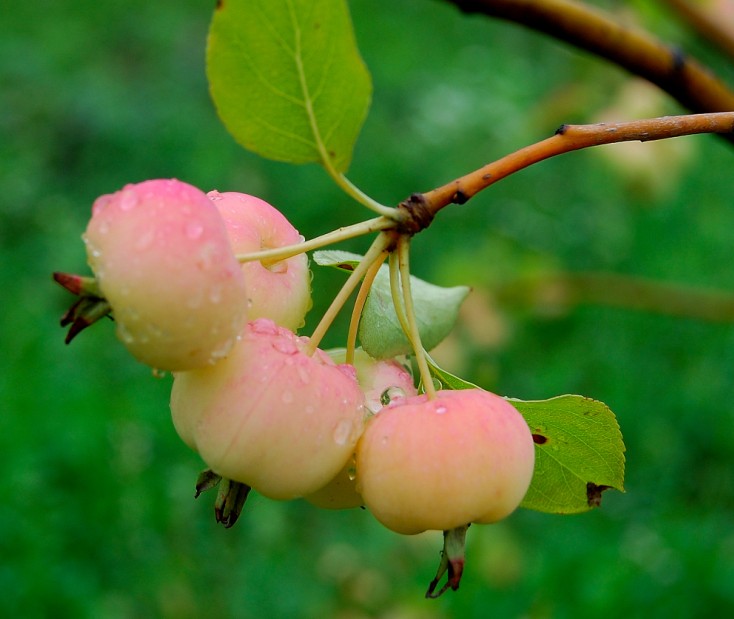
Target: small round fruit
x,y
382,382
280,291
269,415
161,256
465,456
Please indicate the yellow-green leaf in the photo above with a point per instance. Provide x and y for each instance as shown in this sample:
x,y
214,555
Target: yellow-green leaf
x,y
287,79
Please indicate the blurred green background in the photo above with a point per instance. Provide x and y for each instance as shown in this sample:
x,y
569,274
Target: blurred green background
x,y
97,517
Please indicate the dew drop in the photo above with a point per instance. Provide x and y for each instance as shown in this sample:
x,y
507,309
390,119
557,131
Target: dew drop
x,y
214,195
391,394
124,334
194,230
145,240
128,199
104,227
287,397
215,294
285,346
440,409
352,473
309,409
303,374
342,431
263,326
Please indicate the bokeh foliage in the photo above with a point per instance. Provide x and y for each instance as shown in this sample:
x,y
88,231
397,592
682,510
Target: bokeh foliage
x,y
97,517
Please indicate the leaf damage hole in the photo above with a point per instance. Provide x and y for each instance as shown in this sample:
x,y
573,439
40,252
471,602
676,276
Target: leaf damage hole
x,y
346,266
593,493
539,439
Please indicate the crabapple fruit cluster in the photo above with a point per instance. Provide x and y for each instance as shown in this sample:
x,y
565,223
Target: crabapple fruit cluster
x,y
265,407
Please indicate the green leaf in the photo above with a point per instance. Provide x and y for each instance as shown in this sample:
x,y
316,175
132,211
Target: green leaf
x,y
436,310
344,260
448,380
579,453
287,79
380,333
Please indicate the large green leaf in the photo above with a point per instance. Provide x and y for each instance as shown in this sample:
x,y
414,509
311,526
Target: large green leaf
x,y
579,453
382,337
287,79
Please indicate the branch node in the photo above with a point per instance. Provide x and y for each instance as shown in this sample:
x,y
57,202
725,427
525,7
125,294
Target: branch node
x,y
417,214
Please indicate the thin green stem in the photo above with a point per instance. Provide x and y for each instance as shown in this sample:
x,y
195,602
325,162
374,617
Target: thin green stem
x,y
271,256
415,337
356,193
347,186
396,294
379,245
359,302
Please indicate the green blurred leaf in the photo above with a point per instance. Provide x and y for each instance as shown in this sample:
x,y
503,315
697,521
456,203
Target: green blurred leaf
x,y
579,453
344,260
382,337
287,79
436,310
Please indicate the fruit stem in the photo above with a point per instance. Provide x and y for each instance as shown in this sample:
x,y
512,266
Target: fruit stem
x,y
271,256
413,333
357,194
326,159
379,245
359,302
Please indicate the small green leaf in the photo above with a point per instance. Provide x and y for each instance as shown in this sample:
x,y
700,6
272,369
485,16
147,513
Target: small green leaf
x,y
287,79
579,453
436,311
344,260
448,380
380,333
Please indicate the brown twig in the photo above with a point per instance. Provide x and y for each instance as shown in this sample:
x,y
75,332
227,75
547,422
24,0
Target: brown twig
x,y
713,28
684,78
569,138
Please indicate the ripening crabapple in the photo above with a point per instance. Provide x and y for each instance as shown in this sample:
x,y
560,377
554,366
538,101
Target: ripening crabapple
x,y
280,291
383,382
438,464
269,415
162,259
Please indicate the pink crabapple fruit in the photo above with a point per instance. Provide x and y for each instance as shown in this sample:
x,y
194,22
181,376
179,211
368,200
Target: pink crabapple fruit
x,y
382,382
281,291
162,259
438,464
269,415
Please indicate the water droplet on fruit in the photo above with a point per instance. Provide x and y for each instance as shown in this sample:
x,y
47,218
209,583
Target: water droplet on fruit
x,y
214,195
124,334
145,240
104,227
352,473
287,397
215,294
441,409
194,230
342,431
285,346
391,395
263,326
128,199
309,409
303,374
